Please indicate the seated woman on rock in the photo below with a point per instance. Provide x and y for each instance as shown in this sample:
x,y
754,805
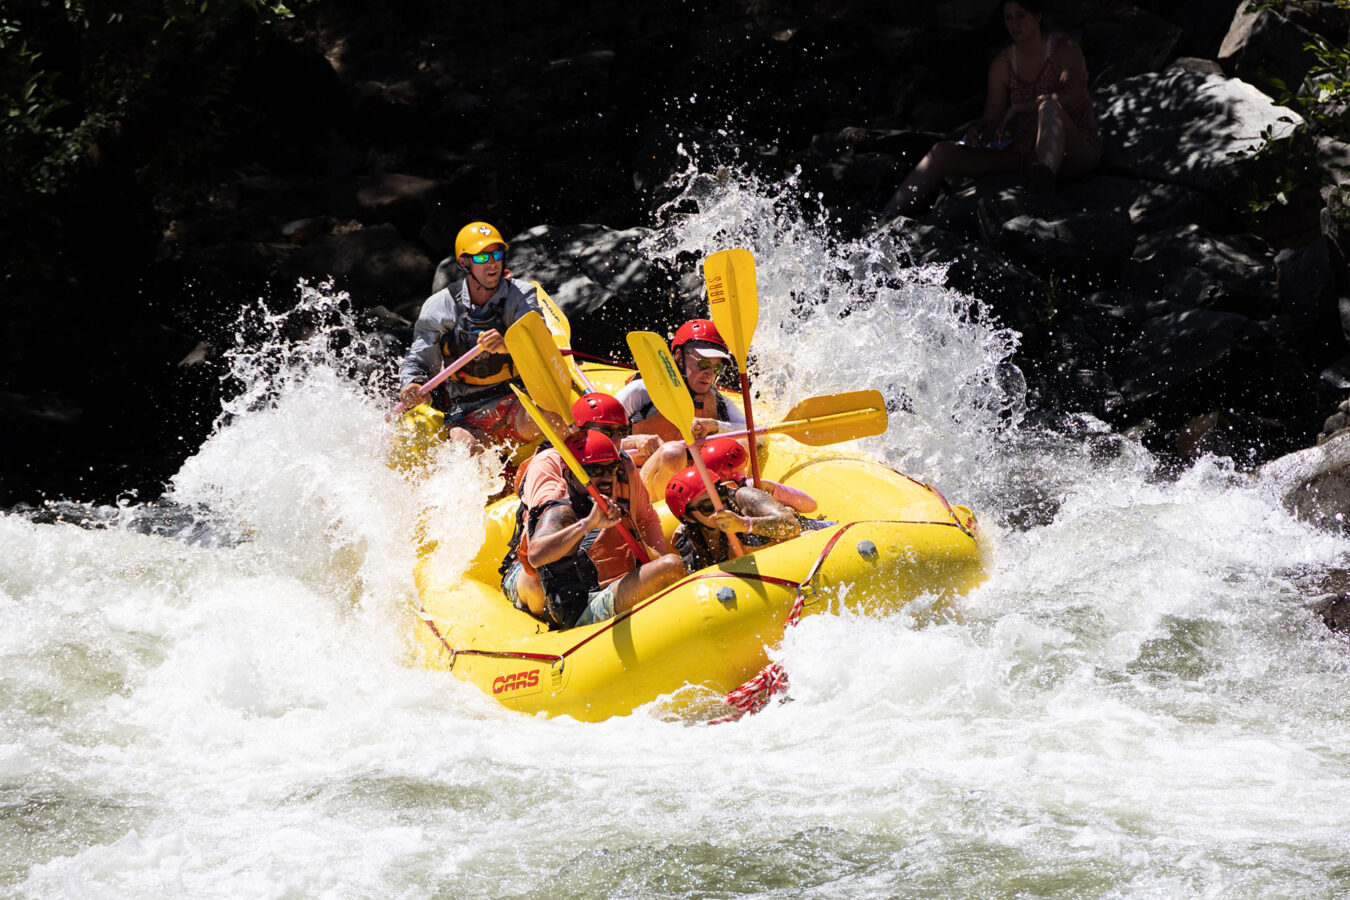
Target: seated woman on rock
x,y
1038,117
757,518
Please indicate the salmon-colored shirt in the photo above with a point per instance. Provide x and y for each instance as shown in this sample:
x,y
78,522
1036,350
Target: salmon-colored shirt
x,y
546,479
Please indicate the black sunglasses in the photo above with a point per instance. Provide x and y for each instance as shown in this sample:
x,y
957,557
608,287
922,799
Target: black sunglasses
x,y
494,255
703,506
602,470
610,431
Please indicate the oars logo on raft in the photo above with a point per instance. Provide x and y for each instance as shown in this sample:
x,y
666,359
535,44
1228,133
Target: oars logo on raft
x,y
517,682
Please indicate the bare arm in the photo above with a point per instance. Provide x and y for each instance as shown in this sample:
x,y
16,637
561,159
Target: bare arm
x,y
996,99
559,532
1073,75
763,516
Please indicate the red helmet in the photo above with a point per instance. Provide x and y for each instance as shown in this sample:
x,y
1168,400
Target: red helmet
x,y
592,448
600,409
724,457
699,331
684,488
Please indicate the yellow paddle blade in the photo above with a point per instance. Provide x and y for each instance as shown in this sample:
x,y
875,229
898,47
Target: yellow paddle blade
x,y
557,323
552,436
733,299
541,366
663,381
831,418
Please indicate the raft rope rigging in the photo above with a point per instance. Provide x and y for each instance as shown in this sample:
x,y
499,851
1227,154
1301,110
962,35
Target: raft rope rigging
x,y
756,693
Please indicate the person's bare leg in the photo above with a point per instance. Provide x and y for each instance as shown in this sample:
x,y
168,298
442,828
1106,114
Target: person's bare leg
x,y
1061,145
1050,117
920,186
946,158
660,573
471,437
531,593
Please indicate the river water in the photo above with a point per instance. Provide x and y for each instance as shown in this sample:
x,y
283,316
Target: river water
x,y
210,695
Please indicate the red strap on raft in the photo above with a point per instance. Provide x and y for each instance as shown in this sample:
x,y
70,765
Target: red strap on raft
x,y
756,693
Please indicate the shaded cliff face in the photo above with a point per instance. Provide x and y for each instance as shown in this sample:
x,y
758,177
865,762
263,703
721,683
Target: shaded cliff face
x,y
352,142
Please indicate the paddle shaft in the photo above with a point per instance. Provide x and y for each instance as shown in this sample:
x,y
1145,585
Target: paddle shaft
x,y
440,377
796,424
733,542
750,429
733,303
670,395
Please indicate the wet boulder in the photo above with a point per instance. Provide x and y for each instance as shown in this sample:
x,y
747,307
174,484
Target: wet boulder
x,y
1334,612
376,265
1186,128
404,201
1089,245
1173,348
581,266
1315,483
1263,46
1191,266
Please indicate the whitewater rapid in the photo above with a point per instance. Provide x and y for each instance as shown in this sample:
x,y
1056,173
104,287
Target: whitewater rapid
x,y
211,696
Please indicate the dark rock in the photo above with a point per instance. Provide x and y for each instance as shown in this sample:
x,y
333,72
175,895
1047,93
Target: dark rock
x,y
1133,40
582,266
1334,612
198,356
1195,66
283,198
1184,128
1190,266
375,264
1207,434
1171,349
1316,483
1334,158
1336,423
1150,205
1337,375
1016,297
1089,244
1307,291
1262,47
1204,23
403,201
302,231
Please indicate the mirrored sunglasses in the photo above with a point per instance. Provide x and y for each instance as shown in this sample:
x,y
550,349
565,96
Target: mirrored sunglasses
x,y
601,470
494,255
706,364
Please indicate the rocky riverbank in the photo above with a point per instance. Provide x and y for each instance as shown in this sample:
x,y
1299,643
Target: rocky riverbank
x,y
1190,290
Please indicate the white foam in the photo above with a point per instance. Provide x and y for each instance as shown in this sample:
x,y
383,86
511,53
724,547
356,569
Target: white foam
x,y
1135,704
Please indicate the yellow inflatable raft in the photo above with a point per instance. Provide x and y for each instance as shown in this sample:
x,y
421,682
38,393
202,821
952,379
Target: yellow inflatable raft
x,y
895,540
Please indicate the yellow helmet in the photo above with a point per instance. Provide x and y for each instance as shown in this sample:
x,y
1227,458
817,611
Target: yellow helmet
x,y
472,238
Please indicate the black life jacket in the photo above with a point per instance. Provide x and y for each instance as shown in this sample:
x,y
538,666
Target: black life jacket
x,y
486,368
568,582
691,544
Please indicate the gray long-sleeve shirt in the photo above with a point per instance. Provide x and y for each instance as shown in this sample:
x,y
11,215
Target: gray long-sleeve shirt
x,y
449,318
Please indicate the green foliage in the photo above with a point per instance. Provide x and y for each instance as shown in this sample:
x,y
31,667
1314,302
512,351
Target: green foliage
x,y
1323,100
69,71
